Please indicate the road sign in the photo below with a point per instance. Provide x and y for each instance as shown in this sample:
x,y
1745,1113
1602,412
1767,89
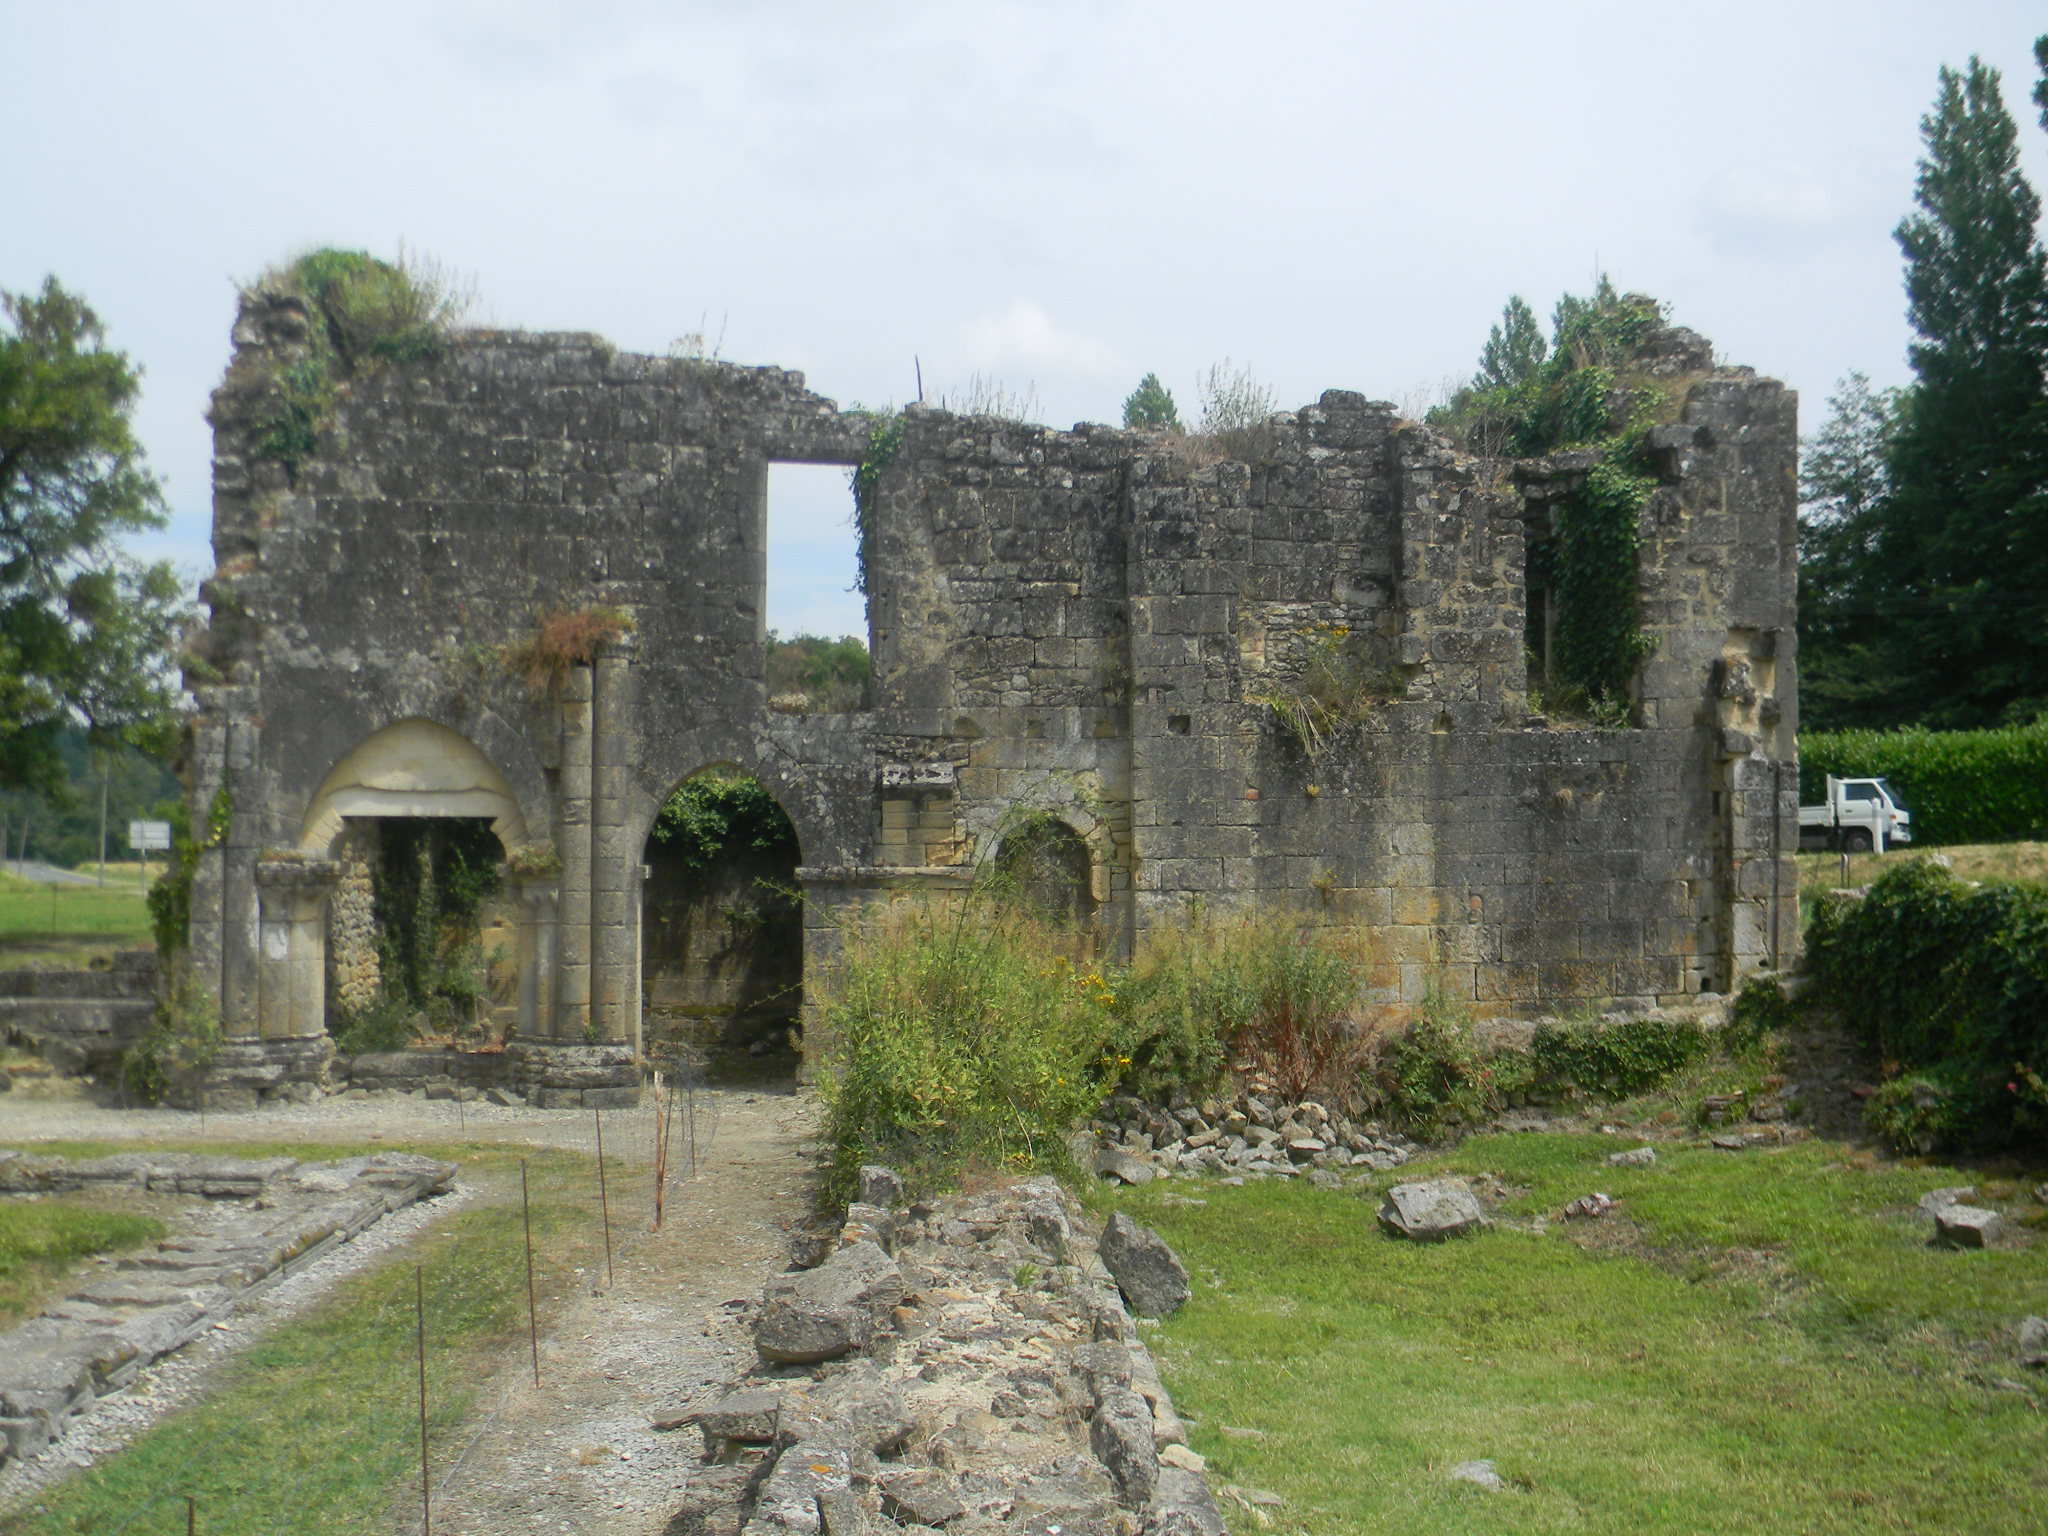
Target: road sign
x,y
149,836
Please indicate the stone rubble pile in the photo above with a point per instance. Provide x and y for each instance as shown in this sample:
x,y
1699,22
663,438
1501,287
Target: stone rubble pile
x,y
964,1365
1248,1136
276,1216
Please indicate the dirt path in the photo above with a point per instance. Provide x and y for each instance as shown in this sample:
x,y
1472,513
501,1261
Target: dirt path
x,y
578,1454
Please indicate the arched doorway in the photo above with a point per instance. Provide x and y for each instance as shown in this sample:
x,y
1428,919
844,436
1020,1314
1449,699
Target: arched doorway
x,y
722,938
424,943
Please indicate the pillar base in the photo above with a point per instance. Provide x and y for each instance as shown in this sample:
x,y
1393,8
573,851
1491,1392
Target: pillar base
x,y
242,1074
561,1075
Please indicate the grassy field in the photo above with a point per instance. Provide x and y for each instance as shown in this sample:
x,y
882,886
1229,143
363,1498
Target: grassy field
x,y
69,924
315,1429
1978,861
1755,1341
41,1240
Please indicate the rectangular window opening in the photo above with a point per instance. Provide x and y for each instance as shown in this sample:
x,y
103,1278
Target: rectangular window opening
x,y
817,662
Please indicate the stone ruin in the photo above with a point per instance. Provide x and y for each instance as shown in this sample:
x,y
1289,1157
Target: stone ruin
x,y
1082,631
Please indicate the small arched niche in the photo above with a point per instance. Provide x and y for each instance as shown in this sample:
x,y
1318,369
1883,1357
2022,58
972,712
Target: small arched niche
x,y
1044,865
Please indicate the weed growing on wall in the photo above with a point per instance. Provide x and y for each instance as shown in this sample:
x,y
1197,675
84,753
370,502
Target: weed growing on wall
x,y
1236,412
1343,678
365,314
563,638
170,899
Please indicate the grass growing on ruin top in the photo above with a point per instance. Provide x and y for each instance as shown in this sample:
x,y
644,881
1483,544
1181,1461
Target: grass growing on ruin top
x,y
1754,1341
314,1430
42,1240
68,925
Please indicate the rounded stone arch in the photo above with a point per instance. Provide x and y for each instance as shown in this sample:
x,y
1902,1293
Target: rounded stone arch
x,y
993,825
413,767
651,787
1049,867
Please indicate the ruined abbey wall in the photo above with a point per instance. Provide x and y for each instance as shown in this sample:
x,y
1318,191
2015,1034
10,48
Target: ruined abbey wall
x,y
1087,624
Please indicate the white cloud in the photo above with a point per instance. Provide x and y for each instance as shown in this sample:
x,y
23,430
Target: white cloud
x,y
1772,205
1024,338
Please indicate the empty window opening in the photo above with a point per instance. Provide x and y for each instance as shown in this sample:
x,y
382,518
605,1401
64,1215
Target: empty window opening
x,y
722,940
423,938
817,618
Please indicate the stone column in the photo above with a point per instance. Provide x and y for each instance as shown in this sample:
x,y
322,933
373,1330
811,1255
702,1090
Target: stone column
x,y
291,975
614,866
539,901
572,1014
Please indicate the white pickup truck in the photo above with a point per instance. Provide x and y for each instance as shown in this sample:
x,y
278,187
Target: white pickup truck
x,y
1859,816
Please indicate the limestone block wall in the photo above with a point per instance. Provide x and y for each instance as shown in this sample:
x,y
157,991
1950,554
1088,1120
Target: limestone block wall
x,y
1090,625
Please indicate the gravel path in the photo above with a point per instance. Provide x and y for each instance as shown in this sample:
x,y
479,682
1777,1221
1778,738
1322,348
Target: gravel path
x,y
579,1454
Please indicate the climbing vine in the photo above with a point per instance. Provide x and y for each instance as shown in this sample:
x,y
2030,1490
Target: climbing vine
x,y
1586,389
885,438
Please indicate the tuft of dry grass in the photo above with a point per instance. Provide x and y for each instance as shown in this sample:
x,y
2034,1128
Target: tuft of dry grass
x,y
564,638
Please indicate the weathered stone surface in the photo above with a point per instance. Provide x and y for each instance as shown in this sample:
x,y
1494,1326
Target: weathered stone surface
x,y
879,1186
1115,1163
1120,1434
1075,622
1481,1474
1432,1210
1634,1157
97,1338
1967,1226
1151,1276
747,1418
791,1331
2033,1339
920,1496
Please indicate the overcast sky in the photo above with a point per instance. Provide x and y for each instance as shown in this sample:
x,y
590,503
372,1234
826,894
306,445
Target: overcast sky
x,y
1059,196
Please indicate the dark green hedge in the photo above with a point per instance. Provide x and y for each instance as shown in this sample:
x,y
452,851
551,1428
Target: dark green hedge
x,y
1963,786
1948,981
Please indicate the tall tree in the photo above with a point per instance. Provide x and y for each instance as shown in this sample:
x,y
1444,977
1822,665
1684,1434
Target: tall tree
x,y
1150,405
85,632
1964,537
1844,479
1514,351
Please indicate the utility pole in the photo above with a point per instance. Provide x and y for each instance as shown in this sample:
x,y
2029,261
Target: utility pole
x,y
106,772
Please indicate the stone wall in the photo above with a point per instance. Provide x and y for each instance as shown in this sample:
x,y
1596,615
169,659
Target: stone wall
x,y
80,1021
1089,625
722,962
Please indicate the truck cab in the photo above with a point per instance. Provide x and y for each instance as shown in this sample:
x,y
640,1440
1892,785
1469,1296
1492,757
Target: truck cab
x,y
1857,816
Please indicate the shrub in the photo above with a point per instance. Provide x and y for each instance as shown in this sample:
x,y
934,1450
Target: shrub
x,y
1237,412
1948,982
1433,1076
811,675
1269,994
962,1031
1618,1056
717,816
1964,786
388,1024
181,1040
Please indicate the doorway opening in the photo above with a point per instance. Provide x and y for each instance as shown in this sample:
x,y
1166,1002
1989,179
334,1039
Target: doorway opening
x,y
722,939
422,937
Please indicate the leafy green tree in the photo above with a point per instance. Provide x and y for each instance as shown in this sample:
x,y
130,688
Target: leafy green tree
x,y
85,632
1151,406
1514,350
1844,479
1963,538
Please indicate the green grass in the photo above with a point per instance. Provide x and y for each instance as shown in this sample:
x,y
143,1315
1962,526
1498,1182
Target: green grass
x,y
41,1240
314,1432
68,925
1757,1341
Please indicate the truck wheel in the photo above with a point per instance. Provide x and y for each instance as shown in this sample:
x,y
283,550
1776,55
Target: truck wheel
x,y
1857,841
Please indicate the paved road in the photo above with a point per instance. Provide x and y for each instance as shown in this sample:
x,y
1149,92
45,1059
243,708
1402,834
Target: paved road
x,y
50,874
